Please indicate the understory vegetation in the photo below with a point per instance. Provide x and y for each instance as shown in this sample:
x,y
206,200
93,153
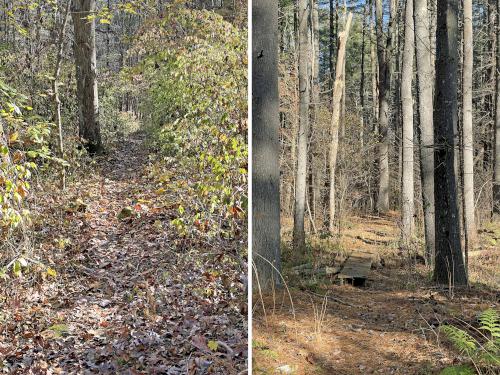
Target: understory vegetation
x,y
123,186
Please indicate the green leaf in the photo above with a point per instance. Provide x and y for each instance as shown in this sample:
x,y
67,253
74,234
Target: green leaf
x,y
126,212
51,272
16,268
213,345
59,329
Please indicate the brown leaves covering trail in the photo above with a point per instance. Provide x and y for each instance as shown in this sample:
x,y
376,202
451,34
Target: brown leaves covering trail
x,y
130,296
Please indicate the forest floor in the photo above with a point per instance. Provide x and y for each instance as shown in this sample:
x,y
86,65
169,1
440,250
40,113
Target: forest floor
x,y
388,326
125,294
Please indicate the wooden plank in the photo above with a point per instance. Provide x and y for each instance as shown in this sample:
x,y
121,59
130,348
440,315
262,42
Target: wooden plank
x,y
357,267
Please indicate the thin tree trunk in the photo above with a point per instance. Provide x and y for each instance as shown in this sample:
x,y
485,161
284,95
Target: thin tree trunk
x,y
86,75
385,72
374,72
265,138
467,133
315,59
303,135
449,266
362,84
496,173
331,35
315,172
55,89
334,128
108,31
425,79
295,132
407,139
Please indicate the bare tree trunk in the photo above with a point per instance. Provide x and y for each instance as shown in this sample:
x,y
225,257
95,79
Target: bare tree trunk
x,y
331,35
315,171
384,61
334,129
432,6
425,78
303,136
362,84
449,266
86,74
407,141
108,31
496,173
55,89
467,133
315,59
374,72
266,147
295,133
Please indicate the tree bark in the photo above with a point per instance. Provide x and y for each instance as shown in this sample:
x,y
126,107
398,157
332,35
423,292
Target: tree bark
x,y
467,132
425,78
385,72
316,143
315,59
374,72
334,127
303,135
265,141
496,173
407,139
55,89
331,35
449,266
86,75
362,83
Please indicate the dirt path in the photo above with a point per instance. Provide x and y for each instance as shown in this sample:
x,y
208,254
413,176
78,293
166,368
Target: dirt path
x,y
386,327
130,295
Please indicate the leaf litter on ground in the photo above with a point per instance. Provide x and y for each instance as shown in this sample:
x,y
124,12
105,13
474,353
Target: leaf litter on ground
x,y
126,293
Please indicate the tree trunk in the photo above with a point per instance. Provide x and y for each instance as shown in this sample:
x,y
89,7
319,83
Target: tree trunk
x,y
55,89
86,75
425,78
449,266
407,141
384,62
108,31
315,60
362,83
316,143
331,35
467,133
303,135
334,129
265,138
374,72
496,173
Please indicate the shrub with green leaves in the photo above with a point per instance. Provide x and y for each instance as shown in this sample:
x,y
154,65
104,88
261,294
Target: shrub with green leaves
x,y
193,79
484,349
23,140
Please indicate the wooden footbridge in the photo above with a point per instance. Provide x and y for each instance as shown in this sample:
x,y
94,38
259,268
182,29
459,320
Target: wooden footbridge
x,y
356,268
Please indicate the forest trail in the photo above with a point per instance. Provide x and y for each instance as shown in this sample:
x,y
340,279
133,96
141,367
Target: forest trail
x,y
130,296
389,326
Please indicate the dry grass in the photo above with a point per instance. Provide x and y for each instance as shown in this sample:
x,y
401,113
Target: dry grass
x,y
391,332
